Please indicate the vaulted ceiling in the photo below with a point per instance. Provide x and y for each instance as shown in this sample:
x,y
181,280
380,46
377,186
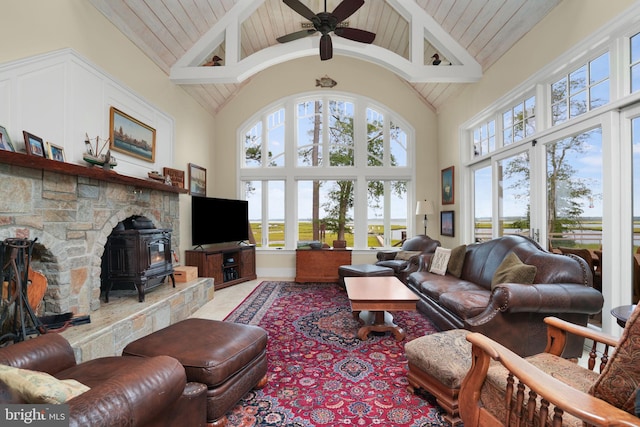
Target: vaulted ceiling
x,y
183,36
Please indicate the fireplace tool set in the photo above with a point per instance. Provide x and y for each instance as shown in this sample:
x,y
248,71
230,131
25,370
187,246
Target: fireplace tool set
x,y
17,316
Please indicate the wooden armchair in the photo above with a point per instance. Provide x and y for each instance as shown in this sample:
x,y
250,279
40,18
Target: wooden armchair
x,y
523,391
585,254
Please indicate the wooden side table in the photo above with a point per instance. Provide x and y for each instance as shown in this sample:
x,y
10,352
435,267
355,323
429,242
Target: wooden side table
x,y
320,265
622,314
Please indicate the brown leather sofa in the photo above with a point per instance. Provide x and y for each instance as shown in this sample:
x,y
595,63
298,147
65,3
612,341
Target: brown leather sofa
x,y
404,261
512,313
124,391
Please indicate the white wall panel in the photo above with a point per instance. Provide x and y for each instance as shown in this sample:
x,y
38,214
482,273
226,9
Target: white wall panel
x,y
60,97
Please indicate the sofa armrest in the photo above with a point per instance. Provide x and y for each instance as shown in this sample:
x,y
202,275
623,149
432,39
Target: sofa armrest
x,y
131,399
540,298
423,260
581,405
414,263
386,255
48,353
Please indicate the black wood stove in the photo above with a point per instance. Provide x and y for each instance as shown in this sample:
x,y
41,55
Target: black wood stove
x,y
136,254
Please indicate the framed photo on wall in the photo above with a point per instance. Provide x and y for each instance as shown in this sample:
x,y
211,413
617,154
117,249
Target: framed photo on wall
x,y
447,186
197,180
130,136
33,144
447,224
5,141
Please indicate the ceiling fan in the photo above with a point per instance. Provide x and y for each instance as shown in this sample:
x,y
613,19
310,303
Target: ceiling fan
x,y
326,22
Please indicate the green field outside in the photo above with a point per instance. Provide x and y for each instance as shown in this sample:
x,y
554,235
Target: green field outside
x,y
305,230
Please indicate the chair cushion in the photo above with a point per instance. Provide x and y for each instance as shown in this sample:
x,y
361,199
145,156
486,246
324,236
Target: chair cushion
x,y
448,366
620,378
40,387
456,260
512,270
564,370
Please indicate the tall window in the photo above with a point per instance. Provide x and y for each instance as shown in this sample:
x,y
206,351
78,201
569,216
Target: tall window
x,y
337,145
513,197
574,190
483,218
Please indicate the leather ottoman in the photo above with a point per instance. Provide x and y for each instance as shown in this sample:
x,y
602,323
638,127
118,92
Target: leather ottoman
x,y
362,270
229,358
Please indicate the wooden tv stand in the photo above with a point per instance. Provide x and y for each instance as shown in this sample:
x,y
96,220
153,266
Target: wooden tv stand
x,y
228,265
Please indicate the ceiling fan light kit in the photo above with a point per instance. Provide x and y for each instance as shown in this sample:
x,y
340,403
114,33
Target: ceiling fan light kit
x,y
328,22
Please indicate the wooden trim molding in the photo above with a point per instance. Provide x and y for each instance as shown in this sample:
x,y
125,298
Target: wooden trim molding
x,y
95,172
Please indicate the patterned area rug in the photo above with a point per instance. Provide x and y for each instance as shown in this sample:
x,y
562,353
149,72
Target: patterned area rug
x,y
320,373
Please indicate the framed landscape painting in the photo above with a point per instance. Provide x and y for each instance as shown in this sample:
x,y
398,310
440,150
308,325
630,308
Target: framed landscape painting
x,y
130,136
447,227
197,180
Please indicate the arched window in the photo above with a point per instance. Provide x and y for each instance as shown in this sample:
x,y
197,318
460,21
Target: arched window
x,y
333,167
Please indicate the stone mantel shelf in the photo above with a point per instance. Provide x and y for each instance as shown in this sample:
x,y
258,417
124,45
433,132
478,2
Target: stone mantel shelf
x,y
95,172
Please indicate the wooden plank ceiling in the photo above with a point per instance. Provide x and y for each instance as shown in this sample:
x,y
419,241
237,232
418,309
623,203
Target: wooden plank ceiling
x,y
166,29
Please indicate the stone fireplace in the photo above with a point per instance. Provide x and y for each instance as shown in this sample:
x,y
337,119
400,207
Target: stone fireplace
x,y
71,210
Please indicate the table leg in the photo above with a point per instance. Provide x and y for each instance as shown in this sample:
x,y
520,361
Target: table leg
x,y
379,321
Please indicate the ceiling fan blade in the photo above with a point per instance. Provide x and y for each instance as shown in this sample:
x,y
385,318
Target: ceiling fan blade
x,y
295,36
300,8
326,47
355,34
346,9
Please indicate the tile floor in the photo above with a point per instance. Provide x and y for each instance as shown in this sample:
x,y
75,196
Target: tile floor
x,y
226,299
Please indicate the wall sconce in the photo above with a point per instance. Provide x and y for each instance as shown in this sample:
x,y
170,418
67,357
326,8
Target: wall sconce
x,y
425,208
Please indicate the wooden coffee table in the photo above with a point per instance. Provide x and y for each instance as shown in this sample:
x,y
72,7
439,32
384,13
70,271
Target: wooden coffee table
x,y
372,297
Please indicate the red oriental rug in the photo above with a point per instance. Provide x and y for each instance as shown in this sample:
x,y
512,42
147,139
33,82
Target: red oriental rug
x,y
320,373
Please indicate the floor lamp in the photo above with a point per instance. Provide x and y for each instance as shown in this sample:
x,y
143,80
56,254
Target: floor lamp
x,y
425,208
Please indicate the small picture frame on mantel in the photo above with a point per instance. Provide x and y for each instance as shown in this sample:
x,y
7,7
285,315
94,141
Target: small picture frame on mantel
x,y
33,144
55,152
5,140
177,176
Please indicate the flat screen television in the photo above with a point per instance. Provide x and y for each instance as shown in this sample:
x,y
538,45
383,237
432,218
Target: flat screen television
x,y
215,220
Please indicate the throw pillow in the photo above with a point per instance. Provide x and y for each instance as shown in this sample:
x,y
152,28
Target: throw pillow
x,y
619,379
439,261
40,387
512,270
406,255
456,261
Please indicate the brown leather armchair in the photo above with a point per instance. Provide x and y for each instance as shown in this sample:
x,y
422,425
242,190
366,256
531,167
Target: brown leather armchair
x,y
124,391
528,391
406,260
